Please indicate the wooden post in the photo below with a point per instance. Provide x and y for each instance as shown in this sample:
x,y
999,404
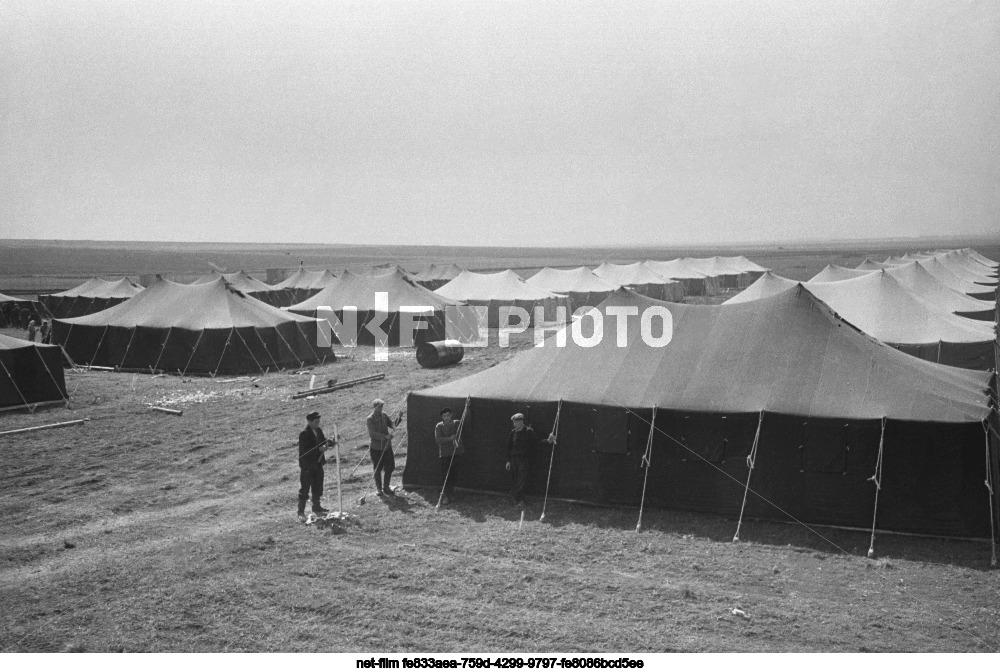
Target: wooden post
x,y
336,449
52,426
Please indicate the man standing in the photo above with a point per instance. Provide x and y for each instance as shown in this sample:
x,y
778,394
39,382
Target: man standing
x,y
449,450
32,325
380,431
45,331
521,444
312,446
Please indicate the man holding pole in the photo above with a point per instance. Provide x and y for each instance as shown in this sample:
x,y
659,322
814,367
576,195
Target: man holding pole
x,y
380,431
449,449
521,444
312,446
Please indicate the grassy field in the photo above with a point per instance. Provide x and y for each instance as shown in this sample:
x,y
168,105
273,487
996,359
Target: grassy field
x,y
141,531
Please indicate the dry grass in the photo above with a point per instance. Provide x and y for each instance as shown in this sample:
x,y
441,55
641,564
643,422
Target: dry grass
x,y
141,531
147,532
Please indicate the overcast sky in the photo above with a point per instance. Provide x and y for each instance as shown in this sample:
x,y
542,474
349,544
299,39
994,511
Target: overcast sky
x,y
687,121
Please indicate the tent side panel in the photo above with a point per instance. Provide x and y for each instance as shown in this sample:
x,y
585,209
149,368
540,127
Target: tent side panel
x,y
933,480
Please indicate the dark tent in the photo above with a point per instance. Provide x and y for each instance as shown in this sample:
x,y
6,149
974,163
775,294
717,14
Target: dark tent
x,y
92,296
30,373
301,285
580,285
10,309
208,328
714,267
388,302
249,285
438,276
641,277
693,282
499,292
816,389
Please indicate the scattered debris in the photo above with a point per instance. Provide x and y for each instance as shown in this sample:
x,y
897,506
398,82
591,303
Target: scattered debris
x,y
338,386
172,411
52,426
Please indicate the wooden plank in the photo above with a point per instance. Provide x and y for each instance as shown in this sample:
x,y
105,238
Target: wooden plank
x,y
338,386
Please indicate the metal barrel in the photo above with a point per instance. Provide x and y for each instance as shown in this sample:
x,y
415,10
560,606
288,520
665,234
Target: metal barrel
x,y
439,353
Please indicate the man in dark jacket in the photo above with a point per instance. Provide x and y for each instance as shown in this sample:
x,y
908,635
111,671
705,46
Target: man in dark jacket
x,y
312,446
521,444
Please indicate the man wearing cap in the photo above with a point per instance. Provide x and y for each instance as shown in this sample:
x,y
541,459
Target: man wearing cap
x,y
380,431
312,446
449,450
520,446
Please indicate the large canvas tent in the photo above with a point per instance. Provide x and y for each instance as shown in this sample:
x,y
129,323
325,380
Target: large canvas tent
x,y
581,286
693,282
10,309
829,406
915,277
498,292
92,296
714,267
642,279
985,261
973,269
30,373
766,285
302,284
958,281
834,273
882,307
872,265
437,276
918,280
209,328
249,285
749,269
391,302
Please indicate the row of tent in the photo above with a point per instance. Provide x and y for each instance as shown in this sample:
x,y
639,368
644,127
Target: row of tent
x,y
925,307
230,323
778,408
668,280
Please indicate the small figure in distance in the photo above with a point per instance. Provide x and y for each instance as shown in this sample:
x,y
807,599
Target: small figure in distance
x,y
521,444
312,448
